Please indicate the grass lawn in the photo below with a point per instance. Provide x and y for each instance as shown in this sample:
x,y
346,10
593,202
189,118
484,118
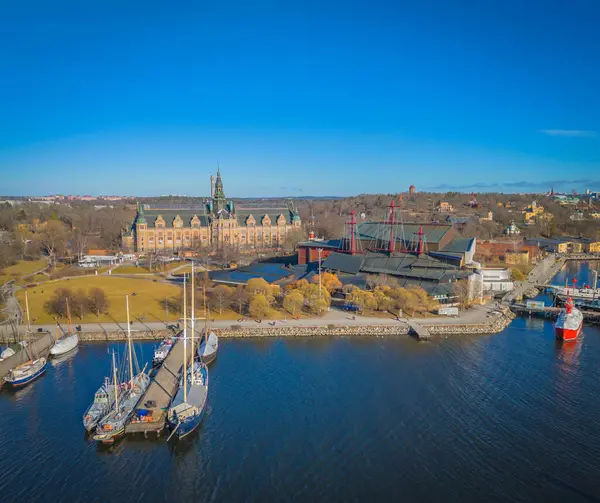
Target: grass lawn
x,y
21,268
130,269
148,301
187,268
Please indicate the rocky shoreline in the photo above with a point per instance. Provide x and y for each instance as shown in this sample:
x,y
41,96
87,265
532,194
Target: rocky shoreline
x,y
496,325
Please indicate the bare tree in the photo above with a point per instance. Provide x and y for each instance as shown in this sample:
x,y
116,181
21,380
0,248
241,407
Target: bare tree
x,y
97,301
53,238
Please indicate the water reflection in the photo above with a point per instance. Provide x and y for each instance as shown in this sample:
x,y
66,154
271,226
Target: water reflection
x,y
59,361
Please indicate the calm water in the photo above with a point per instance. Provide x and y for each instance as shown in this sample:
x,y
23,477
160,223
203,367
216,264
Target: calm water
x,y
509,417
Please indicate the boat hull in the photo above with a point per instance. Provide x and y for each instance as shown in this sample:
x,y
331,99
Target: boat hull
x,y
65,345
188,425
209,358
19,383
109,438
567,334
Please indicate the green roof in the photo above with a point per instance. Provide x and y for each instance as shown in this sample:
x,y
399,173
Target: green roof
x,y
169,215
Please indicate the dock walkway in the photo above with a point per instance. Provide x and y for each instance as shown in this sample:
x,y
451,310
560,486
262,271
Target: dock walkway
x,y
161,390
420,330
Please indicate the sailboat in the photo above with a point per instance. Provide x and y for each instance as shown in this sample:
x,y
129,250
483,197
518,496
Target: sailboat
x,y
187,408
30,370
104,399
208,348
112,426
67,343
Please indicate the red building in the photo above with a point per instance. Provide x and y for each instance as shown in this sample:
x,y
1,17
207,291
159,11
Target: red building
x,y
308,251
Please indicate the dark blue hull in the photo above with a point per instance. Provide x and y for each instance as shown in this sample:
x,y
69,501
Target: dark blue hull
x,y
188,425
19,383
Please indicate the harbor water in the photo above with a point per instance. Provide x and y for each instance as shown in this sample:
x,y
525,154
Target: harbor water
x,y
507,417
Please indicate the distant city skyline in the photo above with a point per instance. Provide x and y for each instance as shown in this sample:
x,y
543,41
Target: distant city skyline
x,y
145,98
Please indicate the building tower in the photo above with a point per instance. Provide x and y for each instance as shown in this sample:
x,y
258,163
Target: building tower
x,y
412,189
219,200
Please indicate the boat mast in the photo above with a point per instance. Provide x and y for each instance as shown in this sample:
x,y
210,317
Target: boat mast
x,y
27,309
115,381
205,317
184,342
68,316
193,323
57,331
129,340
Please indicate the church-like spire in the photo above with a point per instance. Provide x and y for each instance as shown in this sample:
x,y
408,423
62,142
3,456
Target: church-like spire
x,y
219,199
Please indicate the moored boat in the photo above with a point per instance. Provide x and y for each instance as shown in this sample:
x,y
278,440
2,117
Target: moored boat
x,y
112,426
208,348
26,373
162,351
66,343
187,409
569,323
104,399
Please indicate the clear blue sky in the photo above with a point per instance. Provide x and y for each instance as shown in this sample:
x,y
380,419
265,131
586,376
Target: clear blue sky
x,y
298,98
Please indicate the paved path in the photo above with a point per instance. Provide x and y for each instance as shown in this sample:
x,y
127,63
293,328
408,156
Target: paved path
x,y
475,315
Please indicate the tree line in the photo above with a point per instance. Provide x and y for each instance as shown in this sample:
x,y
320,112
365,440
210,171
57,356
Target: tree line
x,y
77,303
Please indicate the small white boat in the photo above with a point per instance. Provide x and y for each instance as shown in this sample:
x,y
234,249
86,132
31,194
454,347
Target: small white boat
x,y
207,351
64,345
161,352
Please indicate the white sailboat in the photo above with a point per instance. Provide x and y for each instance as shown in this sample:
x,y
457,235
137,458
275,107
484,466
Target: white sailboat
x,y
209,346
66,343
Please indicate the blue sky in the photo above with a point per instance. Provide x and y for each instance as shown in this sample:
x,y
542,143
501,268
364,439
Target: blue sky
x,y
302,98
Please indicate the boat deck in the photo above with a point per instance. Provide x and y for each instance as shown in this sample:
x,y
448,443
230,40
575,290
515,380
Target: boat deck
x,y
161,390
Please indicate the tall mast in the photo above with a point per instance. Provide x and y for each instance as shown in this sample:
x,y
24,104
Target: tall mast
x,y
184,342
193,323
205,317
68,317
129,340
57,331
392,223
115,381
27,309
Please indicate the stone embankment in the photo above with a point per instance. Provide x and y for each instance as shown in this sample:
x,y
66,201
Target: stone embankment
x,y
498,322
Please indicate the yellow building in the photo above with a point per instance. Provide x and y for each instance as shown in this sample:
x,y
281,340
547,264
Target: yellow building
x,y
218,224
532,212
594,247
444,207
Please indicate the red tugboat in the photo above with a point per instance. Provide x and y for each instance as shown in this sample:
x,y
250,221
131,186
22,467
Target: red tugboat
x,y
569,322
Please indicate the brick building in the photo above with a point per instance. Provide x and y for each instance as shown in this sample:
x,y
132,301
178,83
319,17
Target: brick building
x,y
219,223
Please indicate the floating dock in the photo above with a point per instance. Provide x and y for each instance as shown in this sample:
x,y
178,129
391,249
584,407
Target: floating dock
x,y
160,392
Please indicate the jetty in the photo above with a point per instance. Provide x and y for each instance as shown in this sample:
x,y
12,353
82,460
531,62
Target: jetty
x,y
551,312
159,394
422,333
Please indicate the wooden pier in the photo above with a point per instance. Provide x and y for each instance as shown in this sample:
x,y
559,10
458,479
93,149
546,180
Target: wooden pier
x,y
422,333
551,312
160,392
